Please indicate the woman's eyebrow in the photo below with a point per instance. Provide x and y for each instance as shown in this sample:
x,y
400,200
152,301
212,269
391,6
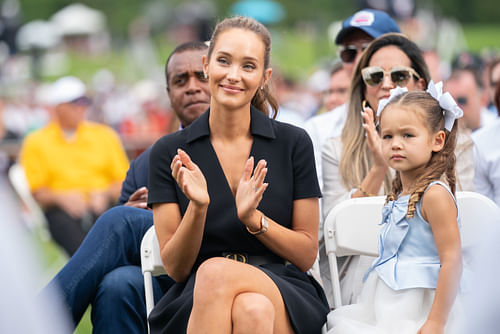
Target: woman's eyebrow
x,y
225,53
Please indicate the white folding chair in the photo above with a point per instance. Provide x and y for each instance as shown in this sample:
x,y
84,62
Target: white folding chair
x,y
151,265
36,220
352,228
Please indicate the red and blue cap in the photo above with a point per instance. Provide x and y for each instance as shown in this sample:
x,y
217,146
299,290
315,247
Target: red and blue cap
x,y
374,22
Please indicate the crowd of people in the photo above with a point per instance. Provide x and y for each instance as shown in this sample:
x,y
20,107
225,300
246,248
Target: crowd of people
x,y
237,194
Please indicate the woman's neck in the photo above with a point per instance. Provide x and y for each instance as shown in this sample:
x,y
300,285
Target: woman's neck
x,y
228,124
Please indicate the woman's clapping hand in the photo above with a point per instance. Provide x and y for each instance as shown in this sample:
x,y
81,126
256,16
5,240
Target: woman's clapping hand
x,y
190,178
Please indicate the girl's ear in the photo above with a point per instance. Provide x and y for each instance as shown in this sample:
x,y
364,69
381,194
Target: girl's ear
x,y
438,141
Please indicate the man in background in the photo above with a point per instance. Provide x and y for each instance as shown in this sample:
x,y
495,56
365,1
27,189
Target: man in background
x,y
105,271
465,84
338,89
74,167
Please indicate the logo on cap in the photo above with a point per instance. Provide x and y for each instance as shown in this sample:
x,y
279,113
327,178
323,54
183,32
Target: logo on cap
x,y
362,19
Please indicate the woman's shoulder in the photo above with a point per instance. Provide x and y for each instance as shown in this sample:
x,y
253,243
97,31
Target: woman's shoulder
x,y
290,133
170,141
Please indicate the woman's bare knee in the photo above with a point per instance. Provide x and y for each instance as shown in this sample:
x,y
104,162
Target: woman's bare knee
x,y
252,313
212,278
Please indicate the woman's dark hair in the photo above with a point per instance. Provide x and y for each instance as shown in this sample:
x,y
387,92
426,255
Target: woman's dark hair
x,y
263,99
402,42
496,97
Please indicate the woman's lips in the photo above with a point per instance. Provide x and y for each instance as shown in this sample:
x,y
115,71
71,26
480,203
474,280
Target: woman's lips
x,y
231,89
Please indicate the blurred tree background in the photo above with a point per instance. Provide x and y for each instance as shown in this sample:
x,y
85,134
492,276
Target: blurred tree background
x,y
301,41
121,12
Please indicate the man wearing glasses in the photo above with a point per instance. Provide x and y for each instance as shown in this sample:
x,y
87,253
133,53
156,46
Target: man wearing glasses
x,y
357,32
74,167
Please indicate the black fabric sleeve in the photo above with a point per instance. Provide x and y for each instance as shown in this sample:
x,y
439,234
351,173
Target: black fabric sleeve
x,y
161,184
305,179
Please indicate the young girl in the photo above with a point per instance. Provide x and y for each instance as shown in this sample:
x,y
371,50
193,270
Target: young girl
x,y
412,285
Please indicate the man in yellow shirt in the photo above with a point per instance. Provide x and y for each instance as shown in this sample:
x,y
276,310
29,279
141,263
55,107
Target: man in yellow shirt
x,y
74,167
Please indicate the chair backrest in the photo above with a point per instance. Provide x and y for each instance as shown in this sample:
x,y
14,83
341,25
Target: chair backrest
x,y
150,254
352,228
37,220
151,265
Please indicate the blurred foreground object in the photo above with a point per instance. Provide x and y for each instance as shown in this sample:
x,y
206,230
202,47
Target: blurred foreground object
x,y
20,309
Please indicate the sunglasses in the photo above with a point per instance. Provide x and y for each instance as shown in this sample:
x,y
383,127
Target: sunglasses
x,y
349,52
400,75
462,100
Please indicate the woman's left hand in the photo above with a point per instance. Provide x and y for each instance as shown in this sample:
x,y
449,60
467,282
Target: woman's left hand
x,y
250,189
373,139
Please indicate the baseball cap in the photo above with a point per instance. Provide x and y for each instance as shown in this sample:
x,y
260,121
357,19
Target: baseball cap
x,y
66,89
374,22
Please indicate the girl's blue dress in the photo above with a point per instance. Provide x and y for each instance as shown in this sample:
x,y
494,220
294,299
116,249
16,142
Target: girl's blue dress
x,y
400,285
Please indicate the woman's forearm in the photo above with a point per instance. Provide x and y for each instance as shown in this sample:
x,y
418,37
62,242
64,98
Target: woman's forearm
x,y
371,184
298,247
181,249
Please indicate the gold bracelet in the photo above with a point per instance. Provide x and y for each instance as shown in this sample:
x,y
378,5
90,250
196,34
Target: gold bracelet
x,y
367,194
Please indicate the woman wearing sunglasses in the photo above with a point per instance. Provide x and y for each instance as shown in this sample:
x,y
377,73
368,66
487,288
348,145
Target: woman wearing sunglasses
x,y
352,163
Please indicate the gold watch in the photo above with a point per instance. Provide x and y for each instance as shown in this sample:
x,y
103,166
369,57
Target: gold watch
x,y
264,224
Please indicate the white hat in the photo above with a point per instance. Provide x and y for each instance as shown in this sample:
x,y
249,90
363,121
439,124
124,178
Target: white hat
x,y
65,90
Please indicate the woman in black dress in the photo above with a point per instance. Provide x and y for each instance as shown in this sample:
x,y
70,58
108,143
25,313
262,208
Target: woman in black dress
x,y
235,204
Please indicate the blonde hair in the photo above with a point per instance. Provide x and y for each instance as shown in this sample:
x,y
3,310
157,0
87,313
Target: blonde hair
x,y
263,98
441,162
356,160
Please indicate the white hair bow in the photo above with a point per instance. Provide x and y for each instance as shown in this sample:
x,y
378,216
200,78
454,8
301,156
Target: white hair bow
x,y
451,110
395,92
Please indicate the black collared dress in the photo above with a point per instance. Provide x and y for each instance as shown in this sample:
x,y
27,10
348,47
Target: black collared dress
x,y
291,175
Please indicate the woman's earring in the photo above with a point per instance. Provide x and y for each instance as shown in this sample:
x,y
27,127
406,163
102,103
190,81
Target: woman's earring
x,y
205,75
261,87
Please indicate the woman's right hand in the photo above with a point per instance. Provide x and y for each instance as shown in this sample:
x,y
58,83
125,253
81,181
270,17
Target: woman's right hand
x,y
190,178
373,139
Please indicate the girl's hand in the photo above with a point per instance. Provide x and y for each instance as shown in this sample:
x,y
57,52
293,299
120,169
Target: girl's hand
x,y
431,327
190,178
372,138
250,189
